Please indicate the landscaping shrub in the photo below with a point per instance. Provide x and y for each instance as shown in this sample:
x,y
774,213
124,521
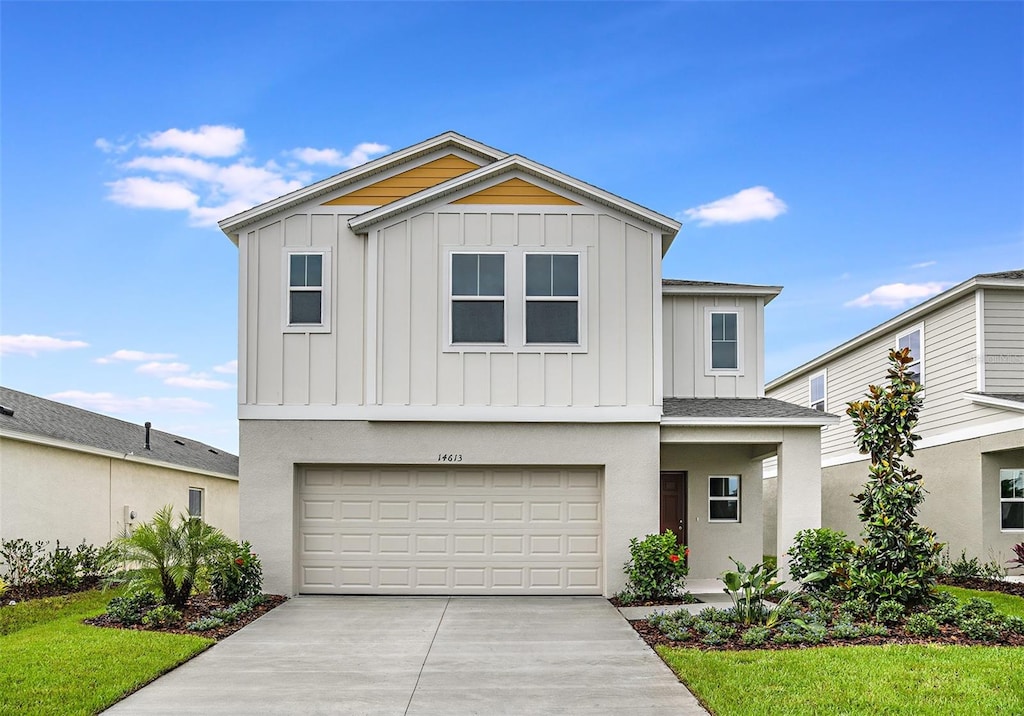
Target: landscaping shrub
x,y
922,624
845,630
675,625
131,609
755,636
21,560
1018,559
972,568
980,628
946,611
749,589
898,558
3,587
1014,624
857,609
59,570
238,574
656,568
977,608
818,550
164,615
205,624
889,611
874,630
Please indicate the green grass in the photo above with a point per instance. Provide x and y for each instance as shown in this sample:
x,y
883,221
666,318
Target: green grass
x,y
1005,603
829,681
51,663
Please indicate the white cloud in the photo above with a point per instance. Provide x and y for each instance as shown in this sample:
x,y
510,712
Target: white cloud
x,y
28,344
753,204
898,295
111,403
197,381
161,369
923,264
210,140
134,356
230,367
108,147
334,158
146,193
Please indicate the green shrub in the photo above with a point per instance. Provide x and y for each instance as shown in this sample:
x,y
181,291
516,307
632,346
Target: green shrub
x,y
976,608
656,568
947,611
889,612
922,624
164,615
980,628
716,634
790,634
59,570
845,630
131,609
675,625
818,550
205,624
238,574
874,629
1014,624
857,609
964,568
21,561
755,636
748,589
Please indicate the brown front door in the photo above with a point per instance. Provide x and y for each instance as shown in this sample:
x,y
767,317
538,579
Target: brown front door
x,y
673,504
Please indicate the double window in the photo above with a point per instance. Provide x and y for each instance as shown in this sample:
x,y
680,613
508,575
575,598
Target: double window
x,y
816,388
1011,499
307,305
724,498
914,340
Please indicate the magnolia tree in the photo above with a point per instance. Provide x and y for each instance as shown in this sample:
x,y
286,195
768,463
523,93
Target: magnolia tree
x,y
898,557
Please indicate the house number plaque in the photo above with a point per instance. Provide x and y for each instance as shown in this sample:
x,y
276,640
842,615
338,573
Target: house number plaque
x,y
449,457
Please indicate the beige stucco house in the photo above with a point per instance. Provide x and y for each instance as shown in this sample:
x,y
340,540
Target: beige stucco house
x,y
969,346
70,474
460,372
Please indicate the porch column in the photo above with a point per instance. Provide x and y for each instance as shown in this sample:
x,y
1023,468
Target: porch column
x,y
799,488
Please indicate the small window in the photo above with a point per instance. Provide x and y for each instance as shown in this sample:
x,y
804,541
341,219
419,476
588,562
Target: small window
x,y
307,304
724,338
912,340
817,391
195,502
552,298
478,298
724,498
1011,499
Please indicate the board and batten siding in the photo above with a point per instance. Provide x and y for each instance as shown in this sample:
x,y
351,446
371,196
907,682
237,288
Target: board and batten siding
x,y
685,348
1004,341
950,346
401,268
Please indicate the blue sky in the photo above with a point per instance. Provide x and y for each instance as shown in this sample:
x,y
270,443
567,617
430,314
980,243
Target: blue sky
x,y
863,155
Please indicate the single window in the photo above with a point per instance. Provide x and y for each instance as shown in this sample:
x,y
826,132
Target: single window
x,y
478,298
195,502
724,341
552,298
724,498
912,340
305,289
1011,499
817,390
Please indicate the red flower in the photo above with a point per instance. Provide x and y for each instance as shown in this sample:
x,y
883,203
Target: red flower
x,y
673,558
687,552
239,561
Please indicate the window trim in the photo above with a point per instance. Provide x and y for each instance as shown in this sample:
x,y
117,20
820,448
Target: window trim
x,y
823,374
325,290
1004,500
578,298
919,328
738,499
202,502
709,311
449,324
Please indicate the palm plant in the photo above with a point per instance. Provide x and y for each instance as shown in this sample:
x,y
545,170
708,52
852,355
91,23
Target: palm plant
x,y
169,557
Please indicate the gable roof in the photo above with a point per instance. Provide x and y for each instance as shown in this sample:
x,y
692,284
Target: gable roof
x,y
675,286
30,415
1013,279
448,140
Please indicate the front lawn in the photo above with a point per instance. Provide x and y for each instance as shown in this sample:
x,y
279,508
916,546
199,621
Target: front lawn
x,y
53,664
913,680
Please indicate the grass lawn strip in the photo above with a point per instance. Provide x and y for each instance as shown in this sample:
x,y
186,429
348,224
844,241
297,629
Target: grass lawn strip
x,y
1004,603
912,680
54,664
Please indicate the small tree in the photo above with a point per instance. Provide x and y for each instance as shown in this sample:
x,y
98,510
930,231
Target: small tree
x,y
897,559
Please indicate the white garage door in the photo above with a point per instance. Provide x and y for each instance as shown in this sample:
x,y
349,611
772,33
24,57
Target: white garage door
x,y
449,531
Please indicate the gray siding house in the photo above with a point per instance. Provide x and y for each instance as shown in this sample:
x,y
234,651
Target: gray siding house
x,y
460,372
969,346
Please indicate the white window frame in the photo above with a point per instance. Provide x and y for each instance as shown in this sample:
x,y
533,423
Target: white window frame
x,y
737,499
824,391
202,503
919,360
578,298
451,299
1005,500
708,369
325,291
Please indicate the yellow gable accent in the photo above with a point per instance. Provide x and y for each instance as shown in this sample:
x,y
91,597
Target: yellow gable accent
x,y
406,183
515,191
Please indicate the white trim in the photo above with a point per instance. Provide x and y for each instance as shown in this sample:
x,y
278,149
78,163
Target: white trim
x,y
993,402
242,355
452,413
709,311
657,347
737,499
326,278
751,422
979,339
922,372
724,289
955,436
370,367
823,374
116,454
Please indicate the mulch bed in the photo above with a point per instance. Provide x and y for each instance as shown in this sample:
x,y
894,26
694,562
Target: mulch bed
x,y
34,590
686,599
199,606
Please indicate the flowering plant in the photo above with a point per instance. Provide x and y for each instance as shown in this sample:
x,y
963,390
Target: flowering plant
x,y
239,576
656,568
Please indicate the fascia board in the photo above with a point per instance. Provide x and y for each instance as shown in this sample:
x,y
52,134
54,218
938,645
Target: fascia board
x,y
993,402
127,457
751,422
769,292
364,222
233,224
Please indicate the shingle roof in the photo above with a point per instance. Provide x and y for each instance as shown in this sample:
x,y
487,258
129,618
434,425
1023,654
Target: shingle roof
x,y
47,418
756,408
1015,273
684,282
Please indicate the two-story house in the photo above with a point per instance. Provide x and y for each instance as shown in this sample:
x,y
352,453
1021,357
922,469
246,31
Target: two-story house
x,y
968,345
460,372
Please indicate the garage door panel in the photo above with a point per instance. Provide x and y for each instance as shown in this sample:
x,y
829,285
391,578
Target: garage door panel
x,y
457,531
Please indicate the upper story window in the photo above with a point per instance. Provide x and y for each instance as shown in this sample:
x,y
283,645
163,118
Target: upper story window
x,y
1011,499
307,301
816,388
478,298
725,349
552,298
914,340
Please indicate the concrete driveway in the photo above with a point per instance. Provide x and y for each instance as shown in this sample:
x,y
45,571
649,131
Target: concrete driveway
x,y
425,655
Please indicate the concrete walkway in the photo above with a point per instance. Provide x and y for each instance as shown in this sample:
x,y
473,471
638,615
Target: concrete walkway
x,y
425,655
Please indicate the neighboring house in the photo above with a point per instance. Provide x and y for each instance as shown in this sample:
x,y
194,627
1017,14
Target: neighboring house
x,y
70,474
460,372
968,343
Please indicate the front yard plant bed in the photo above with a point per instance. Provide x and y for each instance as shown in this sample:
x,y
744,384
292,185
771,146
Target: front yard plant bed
x,y
686,598
200,607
